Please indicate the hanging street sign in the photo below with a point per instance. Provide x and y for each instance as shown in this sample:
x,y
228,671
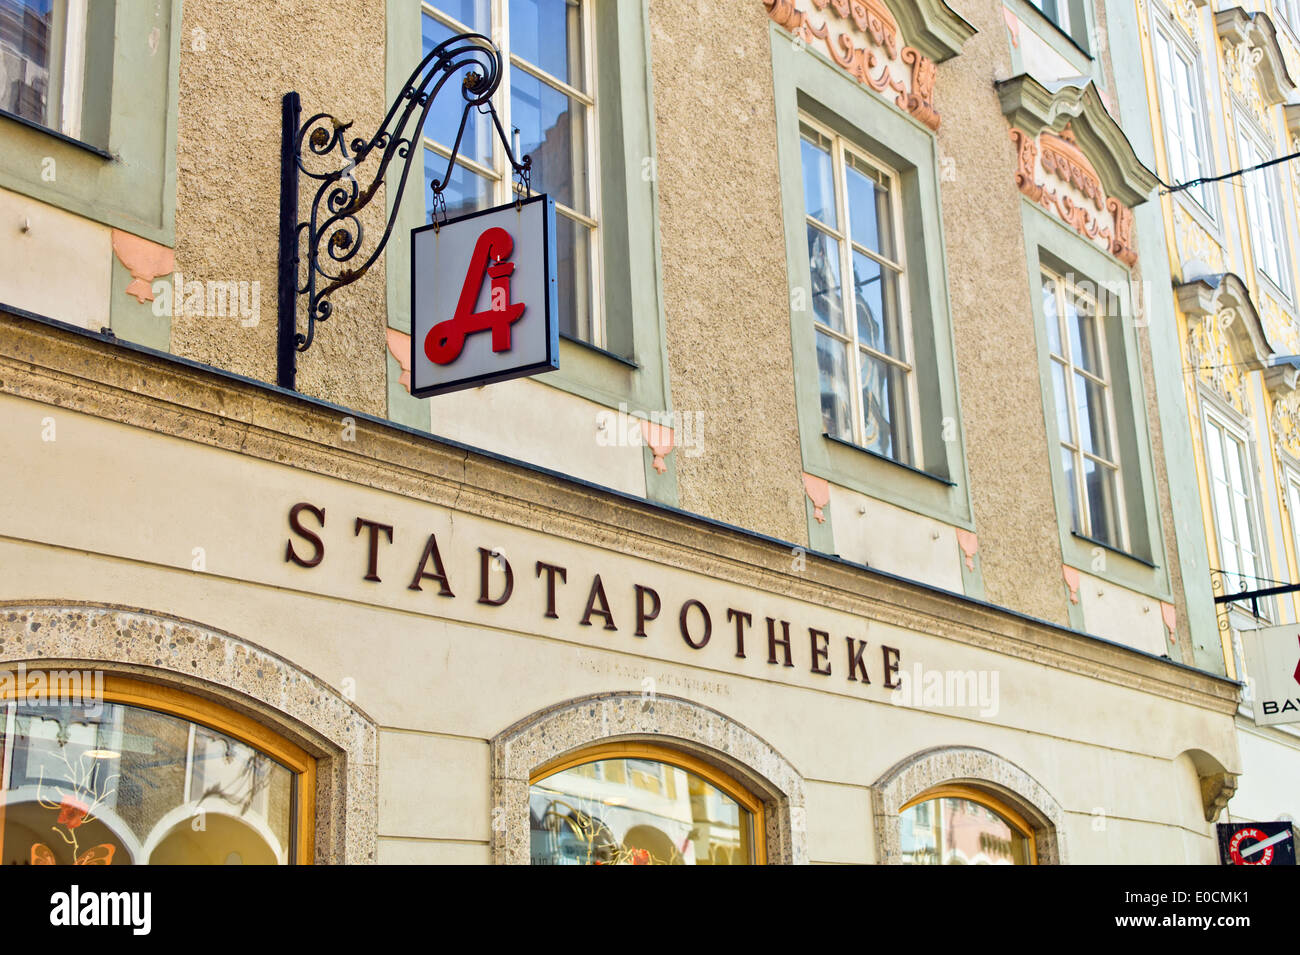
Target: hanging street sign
x,y
1273,665
483,298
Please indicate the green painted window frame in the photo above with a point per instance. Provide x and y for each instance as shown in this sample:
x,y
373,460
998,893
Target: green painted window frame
x,y
633,367
1143,567
1076,46
122,170
938,486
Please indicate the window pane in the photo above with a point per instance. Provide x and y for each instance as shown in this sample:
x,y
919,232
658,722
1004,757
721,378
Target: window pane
x,y
833,375
572,272
548,34
552,129
959,832
1103,514
818,180
869,216
875,296
1068,460
824,268
106,782
1085,345
1094,428
475,14
638,813
445,113
1064,430
1051,317
32,39
465,192
884,407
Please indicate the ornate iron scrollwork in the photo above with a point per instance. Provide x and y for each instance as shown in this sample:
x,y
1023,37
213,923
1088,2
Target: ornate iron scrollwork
x,y
327,250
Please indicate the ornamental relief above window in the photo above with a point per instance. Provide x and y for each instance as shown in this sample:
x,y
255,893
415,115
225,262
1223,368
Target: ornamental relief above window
x,y
1054,173
1210,356
862,37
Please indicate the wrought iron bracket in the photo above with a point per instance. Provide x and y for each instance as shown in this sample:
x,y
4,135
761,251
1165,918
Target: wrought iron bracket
x,y
327,250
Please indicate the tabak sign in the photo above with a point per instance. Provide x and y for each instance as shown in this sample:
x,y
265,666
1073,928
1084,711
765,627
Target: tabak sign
x,y
1273,665
483,298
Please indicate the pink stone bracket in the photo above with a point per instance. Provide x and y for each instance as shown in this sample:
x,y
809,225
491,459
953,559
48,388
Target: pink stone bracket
x,y
819,492
659,438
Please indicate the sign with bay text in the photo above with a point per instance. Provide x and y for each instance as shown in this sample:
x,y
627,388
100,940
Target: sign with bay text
x,y
483,298
1273,666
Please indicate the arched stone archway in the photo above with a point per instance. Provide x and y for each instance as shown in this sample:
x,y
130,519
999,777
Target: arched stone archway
x,y
207,662
923,771
691,727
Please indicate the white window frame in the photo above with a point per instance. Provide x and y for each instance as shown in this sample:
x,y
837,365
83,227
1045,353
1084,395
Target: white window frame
x,y
499,175
1073,442
1230,431
1174,112
1262,191
843,237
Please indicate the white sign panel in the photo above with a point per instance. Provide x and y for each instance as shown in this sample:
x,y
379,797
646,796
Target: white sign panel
x,y
483,298
1273,664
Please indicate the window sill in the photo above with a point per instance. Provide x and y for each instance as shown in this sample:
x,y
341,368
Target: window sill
x,y
1114,550
77,143
1269,284
888,460
600,351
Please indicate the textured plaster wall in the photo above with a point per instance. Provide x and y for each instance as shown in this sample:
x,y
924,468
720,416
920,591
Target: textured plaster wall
x,y
997,362
726,291
237,60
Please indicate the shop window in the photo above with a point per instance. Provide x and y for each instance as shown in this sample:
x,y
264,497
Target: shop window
x,y
637,804
1081,382
546,103
147,776
855,260
961,825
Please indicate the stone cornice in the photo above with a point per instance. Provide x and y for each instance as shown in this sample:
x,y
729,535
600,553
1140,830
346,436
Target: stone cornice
x,y
1227,294
1034,108
83,372
1238,27
933,27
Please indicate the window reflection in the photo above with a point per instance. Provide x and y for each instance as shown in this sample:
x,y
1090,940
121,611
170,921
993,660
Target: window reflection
x,y
636,812
955,831
111,784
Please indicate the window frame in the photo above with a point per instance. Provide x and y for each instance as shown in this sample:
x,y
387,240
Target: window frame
x,y
1264,185
983,798
498,175
178,703
1081,504
840,148
673,757
1216,417
1180,48
937,485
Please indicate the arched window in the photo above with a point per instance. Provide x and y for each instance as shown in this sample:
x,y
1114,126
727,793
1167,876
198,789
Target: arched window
x,y
962,825
640,804
117,771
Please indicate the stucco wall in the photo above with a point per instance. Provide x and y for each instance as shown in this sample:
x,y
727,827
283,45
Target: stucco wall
x,y
997,362
237,60
726,290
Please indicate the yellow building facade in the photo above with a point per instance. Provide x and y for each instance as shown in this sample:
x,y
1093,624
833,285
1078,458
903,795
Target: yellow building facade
x,y
1221,81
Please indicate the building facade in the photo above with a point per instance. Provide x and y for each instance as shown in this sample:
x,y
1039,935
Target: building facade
x,y
1221,81
778,566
